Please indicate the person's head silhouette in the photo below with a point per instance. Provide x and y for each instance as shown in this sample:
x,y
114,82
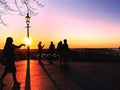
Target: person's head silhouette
x,y
40,43
9,40
65,40
51,42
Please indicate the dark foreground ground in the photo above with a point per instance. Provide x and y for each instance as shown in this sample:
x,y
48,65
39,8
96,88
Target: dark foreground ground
x,y
80,76
90,69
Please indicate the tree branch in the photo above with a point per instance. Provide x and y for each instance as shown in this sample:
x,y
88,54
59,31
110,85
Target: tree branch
x,y
20,6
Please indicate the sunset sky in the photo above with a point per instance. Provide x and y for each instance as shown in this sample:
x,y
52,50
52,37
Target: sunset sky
x,y
84,23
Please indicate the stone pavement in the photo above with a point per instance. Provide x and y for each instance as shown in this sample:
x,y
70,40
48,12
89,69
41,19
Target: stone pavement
x,y
80,76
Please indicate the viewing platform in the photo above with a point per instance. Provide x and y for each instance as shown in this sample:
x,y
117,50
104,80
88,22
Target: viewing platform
x,y
80,76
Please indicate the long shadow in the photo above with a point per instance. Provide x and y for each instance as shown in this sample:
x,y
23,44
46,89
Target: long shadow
x,y
83,81
53,81
16,87
1,87
27,84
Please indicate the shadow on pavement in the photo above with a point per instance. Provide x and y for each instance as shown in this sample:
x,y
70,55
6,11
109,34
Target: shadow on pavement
x,y
83,81
53,81
16,87
1,87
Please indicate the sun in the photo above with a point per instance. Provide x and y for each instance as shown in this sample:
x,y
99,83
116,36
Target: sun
x,y
28,41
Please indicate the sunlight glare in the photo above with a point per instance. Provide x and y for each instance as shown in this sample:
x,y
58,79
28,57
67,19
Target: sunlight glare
x,y
28,41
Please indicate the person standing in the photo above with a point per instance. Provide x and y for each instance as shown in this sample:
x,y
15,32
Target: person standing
x,y
9,54
40,50
52,51
60,53
65,50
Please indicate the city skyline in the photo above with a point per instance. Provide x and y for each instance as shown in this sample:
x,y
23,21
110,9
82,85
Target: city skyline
x,y
84,23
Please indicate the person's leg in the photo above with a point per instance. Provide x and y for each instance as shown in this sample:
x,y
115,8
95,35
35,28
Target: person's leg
x,y
64,61
51,58
14,78
67,62
39,58
2,77
60,61
39,55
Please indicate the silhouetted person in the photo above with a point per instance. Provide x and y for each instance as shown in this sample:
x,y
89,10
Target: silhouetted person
x,y
52,51
40,50
9,54
65,51
59,50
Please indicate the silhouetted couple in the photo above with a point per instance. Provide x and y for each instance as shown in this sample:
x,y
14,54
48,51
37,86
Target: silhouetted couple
x,y
63,51
9,54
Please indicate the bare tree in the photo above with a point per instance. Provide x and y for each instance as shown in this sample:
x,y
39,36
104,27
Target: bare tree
x,y
19,6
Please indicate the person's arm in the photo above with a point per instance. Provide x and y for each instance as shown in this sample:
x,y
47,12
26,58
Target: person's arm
x,y
43,46
19,46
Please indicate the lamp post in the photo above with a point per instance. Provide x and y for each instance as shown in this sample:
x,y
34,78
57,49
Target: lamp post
x,y
27,86
28,47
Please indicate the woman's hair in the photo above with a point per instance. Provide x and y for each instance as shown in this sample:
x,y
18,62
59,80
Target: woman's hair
x,y
9,40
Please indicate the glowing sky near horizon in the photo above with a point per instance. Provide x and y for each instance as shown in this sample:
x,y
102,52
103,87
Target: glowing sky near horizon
x,y
84,23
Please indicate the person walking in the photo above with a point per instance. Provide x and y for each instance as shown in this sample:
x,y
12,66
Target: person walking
x,y
9,54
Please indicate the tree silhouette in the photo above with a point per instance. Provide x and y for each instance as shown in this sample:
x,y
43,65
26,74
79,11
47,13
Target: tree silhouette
x,y
19,6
